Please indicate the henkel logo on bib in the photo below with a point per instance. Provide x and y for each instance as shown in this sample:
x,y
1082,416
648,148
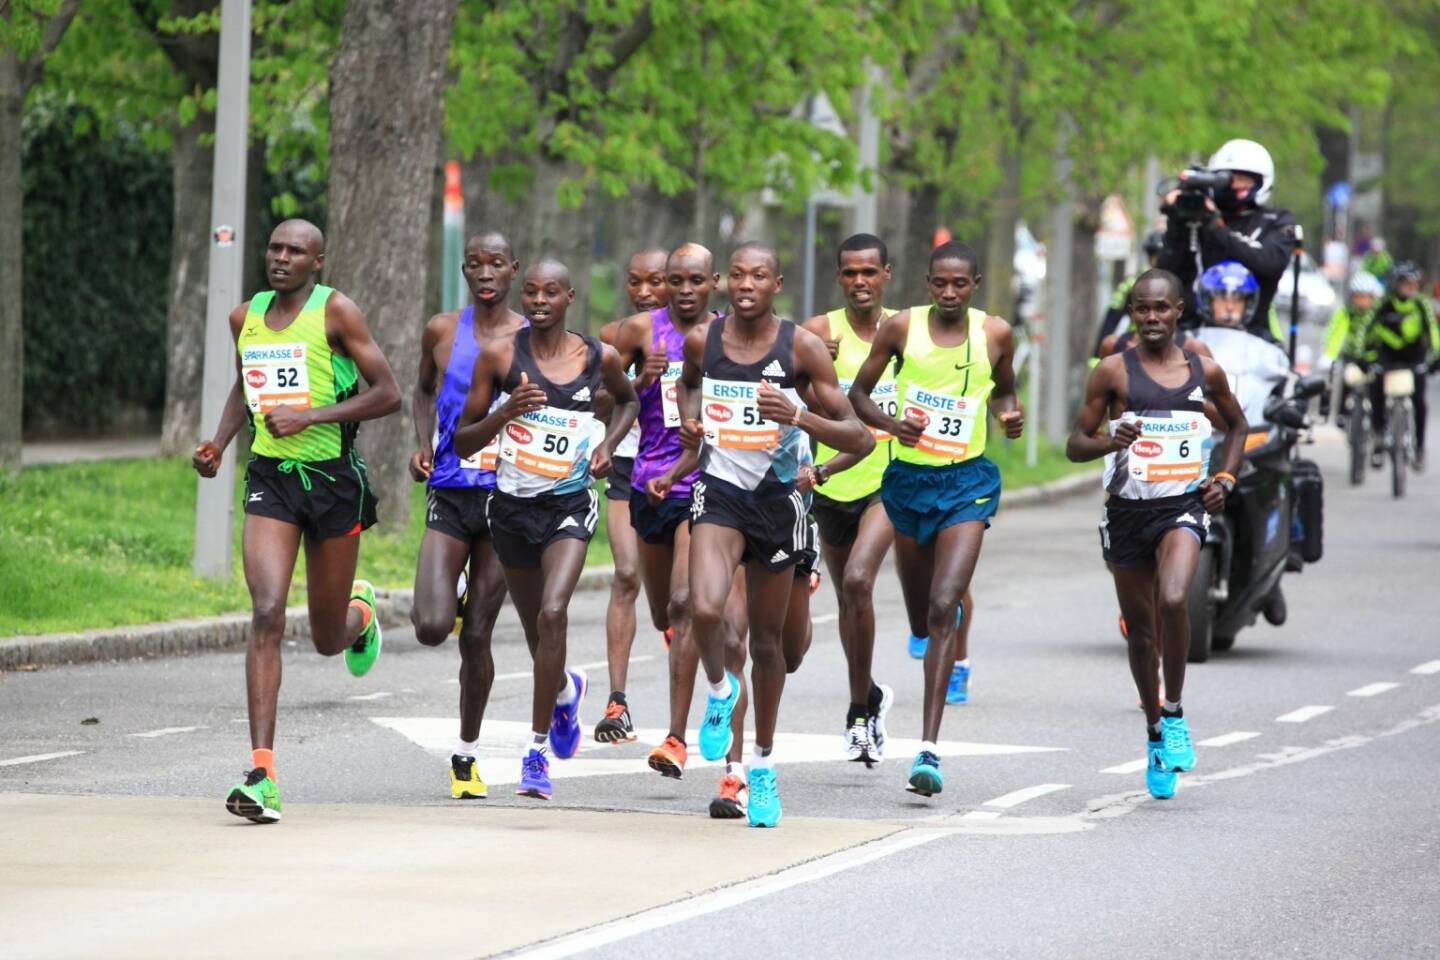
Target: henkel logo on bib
x,y
1146,448
256,378
718,412
518,433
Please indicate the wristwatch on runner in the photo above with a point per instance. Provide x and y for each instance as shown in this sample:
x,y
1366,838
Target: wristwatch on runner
x,y
822,473
1226,480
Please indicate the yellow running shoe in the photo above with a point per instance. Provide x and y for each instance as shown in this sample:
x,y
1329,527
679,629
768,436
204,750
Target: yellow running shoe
x,y
465,782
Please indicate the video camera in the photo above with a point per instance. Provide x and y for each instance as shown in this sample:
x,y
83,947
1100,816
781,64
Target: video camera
x,y
1196,185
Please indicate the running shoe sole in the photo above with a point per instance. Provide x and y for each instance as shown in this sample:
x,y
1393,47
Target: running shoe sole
x,y
241,805
533,792
666,767
722,808
611,731
925,783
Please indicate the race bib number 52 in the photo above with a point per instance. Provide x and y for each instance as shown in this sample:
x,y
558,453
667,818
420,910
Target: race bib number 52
x,y
731,416
949,421
1170,448
547,442
275,374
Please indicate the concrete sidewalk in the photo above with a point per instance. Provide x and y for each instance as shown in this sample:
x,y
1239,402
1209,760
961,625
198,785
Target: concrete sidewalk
x,y
43,452
168,877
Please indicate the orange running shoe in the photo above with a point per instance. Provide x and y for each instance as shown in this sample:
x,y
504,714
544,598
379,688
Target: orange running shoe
x,y
668,759
730,805
616,726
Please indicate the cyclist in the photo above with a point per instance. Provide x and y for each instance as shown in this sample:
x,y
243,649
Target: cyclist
x,y
1401,332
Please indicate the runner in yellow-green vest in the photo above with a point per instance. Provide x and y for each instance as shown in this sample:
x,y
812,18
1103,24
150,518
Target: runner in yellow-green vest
x,y
940,491
301,350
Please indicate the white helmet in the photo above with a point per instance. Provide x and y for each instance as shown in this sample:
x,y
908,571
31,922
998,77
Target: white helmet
x,y
1248,157
1365,282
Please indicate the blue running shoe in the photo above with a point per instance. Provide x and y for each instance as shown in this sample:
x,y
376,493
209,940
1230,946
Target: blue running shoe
x,y
918,645
715,735
925,778
1159,778
959,689
764,806
1179,751
534,776
565,725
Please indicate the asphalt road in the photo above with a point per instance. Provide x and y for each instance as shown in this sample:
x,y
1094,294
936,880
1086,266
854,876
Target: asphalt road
x,y
1311,826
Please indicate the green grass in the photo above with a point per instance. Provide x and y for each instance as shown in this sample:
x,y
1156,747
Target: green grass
x,y
108,544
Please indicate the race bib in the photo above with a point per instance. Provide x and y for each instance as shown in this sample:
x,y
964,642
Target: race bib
x,y
886,398
487,456
949,421
275,374
668,401
548,441
731,416
1170,448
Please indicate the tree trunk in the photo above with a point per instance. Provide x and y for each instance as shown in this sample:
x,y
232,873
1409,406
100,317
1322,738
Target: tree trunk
x,y
192,167
1084,293
907,221
1000,249
386,94
12,334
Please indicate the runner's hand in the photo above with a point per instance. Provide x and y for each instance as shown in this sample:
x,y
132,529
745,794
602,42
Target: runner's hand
x,y
656,363
1126,433
909,430
283,421
527,398
805,479
1212,494
834,347
206,459
773,404
692,434
658,488
421,463
599,463
1014,422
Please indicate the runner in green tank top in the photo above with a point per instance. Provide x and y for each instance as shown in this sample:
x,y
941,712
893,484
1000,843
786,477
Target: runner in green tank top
x,y
940,490
300,351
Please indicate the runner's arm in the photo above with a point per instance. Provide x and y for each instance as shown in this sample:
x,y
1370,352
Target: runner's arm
x,y
625,405
1004,401
478,424
687,398
884,350
206,458
422,401
1086,441
383,396
835,423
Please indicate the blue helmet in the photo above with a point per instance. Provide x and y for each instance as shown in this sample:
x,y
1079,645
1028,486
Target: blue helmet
x,y
1229,279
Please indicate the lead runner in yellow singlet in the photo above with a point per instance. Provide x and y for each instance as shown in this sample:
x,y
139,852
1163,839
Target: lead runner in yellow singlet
x,y
301,350
940,491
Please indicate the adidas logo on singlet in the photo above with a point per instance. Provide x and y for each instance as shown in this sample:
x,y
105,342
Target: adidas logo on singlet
x,y
772,369
582,394
1196,394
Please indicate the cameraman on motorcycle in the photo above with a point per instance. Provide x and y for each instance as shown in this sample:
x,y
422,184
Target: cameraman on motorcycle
x,y
1232,223
1401,332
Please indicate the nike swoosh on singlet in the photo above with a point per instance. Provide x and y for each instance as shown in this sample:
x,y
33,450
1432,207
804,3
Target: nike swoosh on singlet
x,y
963,366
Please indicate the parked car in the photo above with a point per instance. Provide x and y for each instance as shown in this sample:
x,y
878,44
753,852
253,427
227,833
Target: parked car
x,y
1317,296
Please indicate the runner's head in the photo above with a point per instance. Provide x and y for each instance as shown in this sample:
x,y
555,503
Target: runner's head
x,y
753,281
489,267
547,293
296,253
690,278
645,279
864,269
953,279
1156,303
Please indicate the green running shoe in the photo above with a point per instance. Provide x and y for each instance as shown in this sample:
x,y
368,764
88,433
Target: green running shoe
x,y
362,654
257,799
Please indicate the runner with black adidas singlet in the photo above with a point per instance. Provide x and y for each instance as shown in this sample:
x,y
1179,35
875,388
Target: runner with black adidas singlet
x,y
544,509
1159,402
742,373
940,490
458,492
301,351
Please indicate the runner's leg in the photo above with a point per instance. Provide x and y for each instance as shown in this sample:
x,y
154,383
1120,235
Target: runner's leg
x,y
1176,559
853,570
442,560
737,624
769,595
798,631
954,554
1135,591
270,547
624,590
477,663
329,576
714,555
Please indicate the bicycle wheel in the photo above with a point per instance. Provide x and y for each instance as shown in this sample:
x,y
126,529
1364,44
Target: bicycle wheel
x,y
1356,429
1399,446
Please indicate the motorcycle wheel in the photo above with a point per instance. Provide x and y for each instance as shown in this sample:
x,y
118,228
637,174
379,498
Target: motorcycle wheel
x,y
1201,606
1355,431
1221,644
1399,448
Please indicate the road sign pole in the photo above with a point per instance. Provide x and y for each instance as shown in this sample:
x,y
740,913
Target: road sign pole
x,y
214,502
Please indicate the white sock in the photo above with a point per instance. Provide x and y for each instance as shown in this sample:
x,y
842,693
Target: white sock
x,y
1171,706
963,663
721,690
539,741
570,693
735,770
930,746
761,761
463,749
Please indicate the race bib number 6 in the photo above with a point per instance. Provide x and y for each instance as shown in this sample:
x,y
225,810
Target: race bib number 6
x,y
731,416
1170,448
668,398
949,421
275,374
547,442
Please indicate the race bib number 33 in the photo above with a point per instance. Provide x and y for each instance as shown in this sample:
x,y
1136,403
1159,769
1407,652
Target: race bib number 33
x,y
1170,448
949,421
275,374
731,416
547,442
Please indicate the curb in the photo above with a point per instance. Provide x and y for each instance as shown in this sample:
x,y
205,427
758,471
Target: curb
x,y
230,631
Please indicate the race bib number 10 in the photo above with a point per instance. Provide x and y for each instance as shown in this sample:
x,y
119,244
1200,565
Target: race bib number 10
x,y
885,397
949,421
1170,448
547,442
275,374
668,399
731,416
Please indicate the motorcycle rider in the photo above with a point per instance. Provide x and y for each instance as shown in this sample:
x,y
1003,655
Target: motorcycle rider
x,y
1229,300
1236,224
1401,332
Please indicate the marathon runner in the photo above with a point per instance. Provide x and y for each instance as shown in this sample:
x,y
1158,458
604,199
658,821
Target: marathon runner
x,y
940,490
458,492
645,286
301,349
544,509
1160,402
742,374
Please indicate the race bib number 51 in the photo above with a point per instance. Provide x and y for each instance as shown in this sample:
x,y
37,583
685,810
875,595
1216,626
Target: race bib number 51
x,y
1170,448
547,442
731,416
275,374
949,421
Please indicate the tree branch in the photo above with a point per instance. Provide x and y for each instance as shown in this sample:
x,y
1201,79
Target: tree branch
x,y
623,47
34,66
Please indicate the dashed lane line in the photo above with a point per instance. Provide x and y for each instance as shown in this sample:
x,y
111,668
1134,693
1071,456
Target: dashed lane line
x,y
1134,766
1017,797
37,757
1372,689
1303,714
377,695
1429,666
1225,739
164,732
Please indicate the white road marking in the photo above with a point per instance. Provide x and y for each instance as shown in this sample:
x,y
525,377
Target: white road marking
x,y
598,665
1225,739
1303,714
825,618
1134,766
981,815
166,731
1017,797
1429,666
378,695
36,758
1372,689
669,914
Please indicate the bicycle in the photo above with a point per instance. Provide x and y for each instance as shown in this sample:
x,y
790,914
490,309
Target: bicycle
x,y
1399,440
1357,413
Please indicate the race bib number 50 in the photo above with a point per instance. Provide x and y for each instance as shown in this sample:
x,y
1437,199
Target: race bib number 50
x,y
275,374
1170,448
731,416
547,442
949,421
